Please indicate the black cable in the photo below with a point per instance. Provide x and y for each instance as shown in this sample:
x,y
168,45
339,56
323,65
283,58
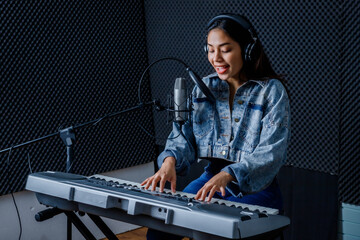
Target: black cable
x,y
71,165
148,67
18,215
12,195
139,93
8,158
29,163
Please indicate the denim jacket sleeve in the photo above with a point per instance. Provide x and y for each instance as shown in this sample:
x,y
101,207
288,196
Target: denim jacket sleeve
x,y
181,145
254,171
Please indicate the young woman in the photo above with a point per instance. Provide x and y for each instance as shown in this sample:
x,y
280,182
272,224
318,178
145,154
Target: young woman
x,y
244,135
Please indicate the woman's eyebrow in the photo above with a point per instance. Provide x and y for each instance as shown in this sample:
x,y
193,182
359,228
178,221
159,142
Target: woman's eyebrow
x,y
223,44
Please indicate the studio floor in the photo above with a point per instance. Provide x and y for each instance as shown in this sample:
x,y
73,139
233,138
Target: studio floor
x,y
137,234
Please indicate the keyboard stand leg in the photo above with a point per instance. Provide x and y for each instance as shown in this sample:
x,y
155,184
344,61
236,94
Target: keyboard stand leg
x,y
68,229
103,227
79,225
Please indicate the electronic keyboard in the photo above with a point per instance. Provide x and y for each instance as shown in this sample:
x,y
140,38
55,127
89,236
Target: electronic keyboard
x,y
177,213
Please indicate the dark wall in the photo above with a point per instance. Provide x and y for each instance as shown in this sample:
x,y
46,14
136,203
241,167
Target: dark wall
x,y
349,164
71,62
65,63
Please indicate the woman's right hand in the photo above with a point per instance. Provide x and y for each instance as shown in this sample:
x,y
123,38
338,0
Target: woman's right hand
x,y
166,173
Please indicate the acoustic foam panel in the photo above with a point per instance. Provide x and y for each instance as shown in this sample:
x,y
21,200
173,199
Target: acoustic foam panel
x,y
65,63
349,166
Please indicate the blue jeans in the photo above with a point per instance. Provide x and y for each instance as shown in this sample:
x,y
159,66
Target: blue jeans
x,y
269,197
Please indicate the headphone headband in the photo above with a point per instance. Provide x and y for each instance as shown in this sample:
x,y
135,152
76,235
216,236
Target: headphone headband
x,y
236,18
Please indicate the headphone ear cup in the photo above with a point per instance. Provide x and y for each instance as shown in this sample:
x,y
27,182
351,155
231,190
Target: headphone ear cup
x,y
206,49
246,56
252,52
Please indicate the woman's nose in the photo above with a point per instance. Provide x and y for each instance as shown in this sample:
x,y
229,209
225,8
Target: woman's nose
x,y
217,56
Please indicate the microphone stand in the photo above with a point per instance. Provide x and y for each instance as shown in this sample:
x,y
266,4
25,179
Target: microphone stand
x,y
68,137
68,133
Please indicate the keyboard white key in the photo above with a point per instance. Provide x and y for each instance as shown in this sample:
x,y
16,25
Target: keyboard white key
x,y
190,195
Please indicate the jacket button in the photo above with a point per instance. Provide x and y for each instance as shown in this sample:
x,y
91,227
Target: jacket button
x,y
223,152
236,120
240,102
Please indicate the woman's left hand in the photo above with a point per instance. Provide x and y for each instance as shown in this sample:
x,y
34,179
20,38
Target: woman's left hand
x,y
216,184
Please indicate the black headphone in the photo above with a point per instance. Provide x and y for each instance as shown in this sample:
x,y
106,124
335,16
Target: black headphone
x,y
252,49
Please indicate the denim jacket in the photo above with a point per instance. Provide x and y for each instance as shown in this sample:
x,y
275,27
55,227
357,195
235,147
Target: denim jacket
x,y
253,137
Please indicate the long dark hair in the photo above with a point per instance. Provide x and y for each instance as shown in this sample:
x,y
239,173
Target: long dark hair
x,y
259,69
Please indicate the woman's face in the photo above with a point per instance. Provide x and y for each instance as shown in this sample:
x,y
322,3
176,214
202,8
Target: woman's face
x,y
224,55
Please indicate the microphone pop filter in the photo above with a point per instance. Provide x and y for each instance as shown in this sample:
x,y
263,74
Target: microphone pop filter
x,y
201,85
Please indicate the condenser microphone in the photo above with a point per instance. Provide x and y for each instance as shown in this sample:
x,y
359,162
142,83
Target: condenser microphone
x,y
180,100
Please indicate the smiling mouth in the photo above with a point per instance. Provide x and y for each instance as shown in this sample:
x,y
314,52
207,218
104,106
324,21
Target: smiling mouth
x,y
221,69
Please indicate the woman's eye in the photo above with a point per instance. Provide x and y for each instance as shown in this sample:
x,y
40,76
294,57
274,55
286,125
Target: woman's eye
x,y
226,50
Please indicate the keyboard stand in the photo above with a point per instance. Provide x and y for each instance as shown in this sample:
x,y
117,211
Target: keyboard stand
x,y
79,225
74,219
103,227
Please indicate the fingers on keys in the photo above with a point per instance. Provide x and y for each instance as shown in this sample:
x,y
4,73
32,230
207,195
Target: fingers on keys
x,y
162,184
148,182
209,193
202,193
152,182
173,186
